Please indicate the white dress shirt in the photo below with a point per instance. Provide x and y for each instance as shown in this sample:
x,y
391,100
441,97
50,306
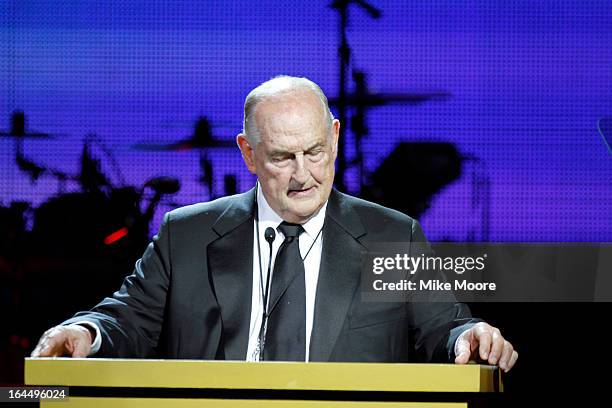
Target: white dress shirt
x,y
310,241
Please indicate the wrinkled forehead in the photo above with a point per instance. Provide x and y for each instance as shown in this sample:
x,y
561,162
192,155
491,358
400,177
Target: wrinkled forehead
x,y
295,114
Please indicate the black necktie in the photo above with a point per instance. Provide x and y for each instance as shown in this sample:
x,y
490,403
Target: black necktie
x,y
286,332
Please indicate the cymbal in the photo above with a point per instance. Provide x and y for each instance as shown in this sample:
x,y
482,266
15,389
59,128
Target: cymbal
x,y
184,145
18,128
380,99
28,135
201,139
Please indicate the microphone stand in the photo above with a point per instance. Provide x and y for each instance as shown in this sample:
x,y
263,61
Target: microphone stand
x,y
344,52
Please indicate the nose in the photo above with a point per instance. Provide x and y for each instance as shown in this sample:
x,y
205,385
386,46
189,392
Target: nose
x,y
301,173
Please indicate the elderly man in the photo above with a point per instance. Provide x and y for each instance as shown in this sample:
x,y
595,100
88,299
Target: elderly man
x,y
274,273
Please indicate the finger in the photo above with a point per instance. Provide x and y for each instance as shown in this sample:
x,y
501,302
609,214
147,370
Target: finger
x,y
497,346
81,349
463,351
41,343
36,351
80,346
504,360
54,345
512,361
51,343
484,340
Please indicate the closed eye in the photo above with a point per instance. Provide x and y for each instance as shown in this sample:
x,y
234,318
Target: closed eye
x,y
315,156
281,159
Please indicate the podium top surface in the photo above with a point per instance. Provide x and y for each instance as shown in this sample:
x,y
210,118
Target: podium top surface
x,y
93,372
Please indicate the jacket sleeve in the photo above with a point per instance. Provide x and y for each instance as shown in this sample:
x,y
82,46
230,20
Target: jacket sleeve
x,y
130,321
436,318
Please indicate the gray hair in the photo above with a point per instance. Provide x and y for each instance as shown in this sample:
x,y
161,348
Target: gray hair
x,y
278,85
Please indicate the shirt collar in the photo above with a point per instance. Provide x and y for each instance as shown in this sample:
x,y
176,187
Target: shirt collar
x,y
269,218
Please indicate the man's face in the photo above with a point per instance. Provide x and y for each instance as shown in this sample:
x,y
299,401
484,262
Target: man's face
x,y
294,159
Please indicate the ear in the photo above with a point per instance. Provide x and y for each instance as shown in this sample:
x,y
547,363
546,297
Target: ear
x,y
335,135
247,152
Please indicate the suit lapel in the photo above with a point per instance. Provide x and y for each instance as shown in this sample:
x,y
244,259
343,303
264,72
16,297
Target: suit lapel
x,y
230,261
339,275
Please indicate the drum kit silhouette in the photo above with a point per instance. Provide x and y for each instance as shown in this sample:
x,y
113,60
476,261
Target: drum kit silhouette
x,y
78,245
118,218
102,214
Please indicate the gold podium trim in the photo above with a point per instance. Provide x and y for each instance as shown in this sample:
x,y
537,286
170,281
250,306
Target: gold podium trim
x,y
262,375
79,402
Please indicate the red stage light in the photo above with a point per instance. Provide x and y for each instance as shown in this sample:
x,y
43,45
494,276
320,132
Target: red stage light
x,y
116,236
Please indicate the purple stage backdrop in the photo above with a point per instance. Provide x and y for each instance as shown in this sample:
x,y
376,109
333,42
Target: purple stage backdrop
x,y
527,83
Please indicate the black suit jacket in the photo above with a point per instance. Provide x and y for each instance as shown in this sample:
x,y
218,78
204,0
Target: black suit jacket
x,y
190,294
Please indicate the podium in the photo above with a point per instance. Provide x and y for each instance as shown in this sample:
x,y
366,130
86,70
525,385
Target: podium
x,y
122,383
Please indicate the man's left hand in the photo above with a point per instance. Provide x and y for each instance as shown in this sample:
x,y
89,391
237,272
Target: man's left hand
x,y
485,342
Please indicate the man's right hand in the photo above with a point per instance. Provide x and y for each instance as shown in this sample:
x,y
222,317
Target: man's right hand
x,y
64,341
